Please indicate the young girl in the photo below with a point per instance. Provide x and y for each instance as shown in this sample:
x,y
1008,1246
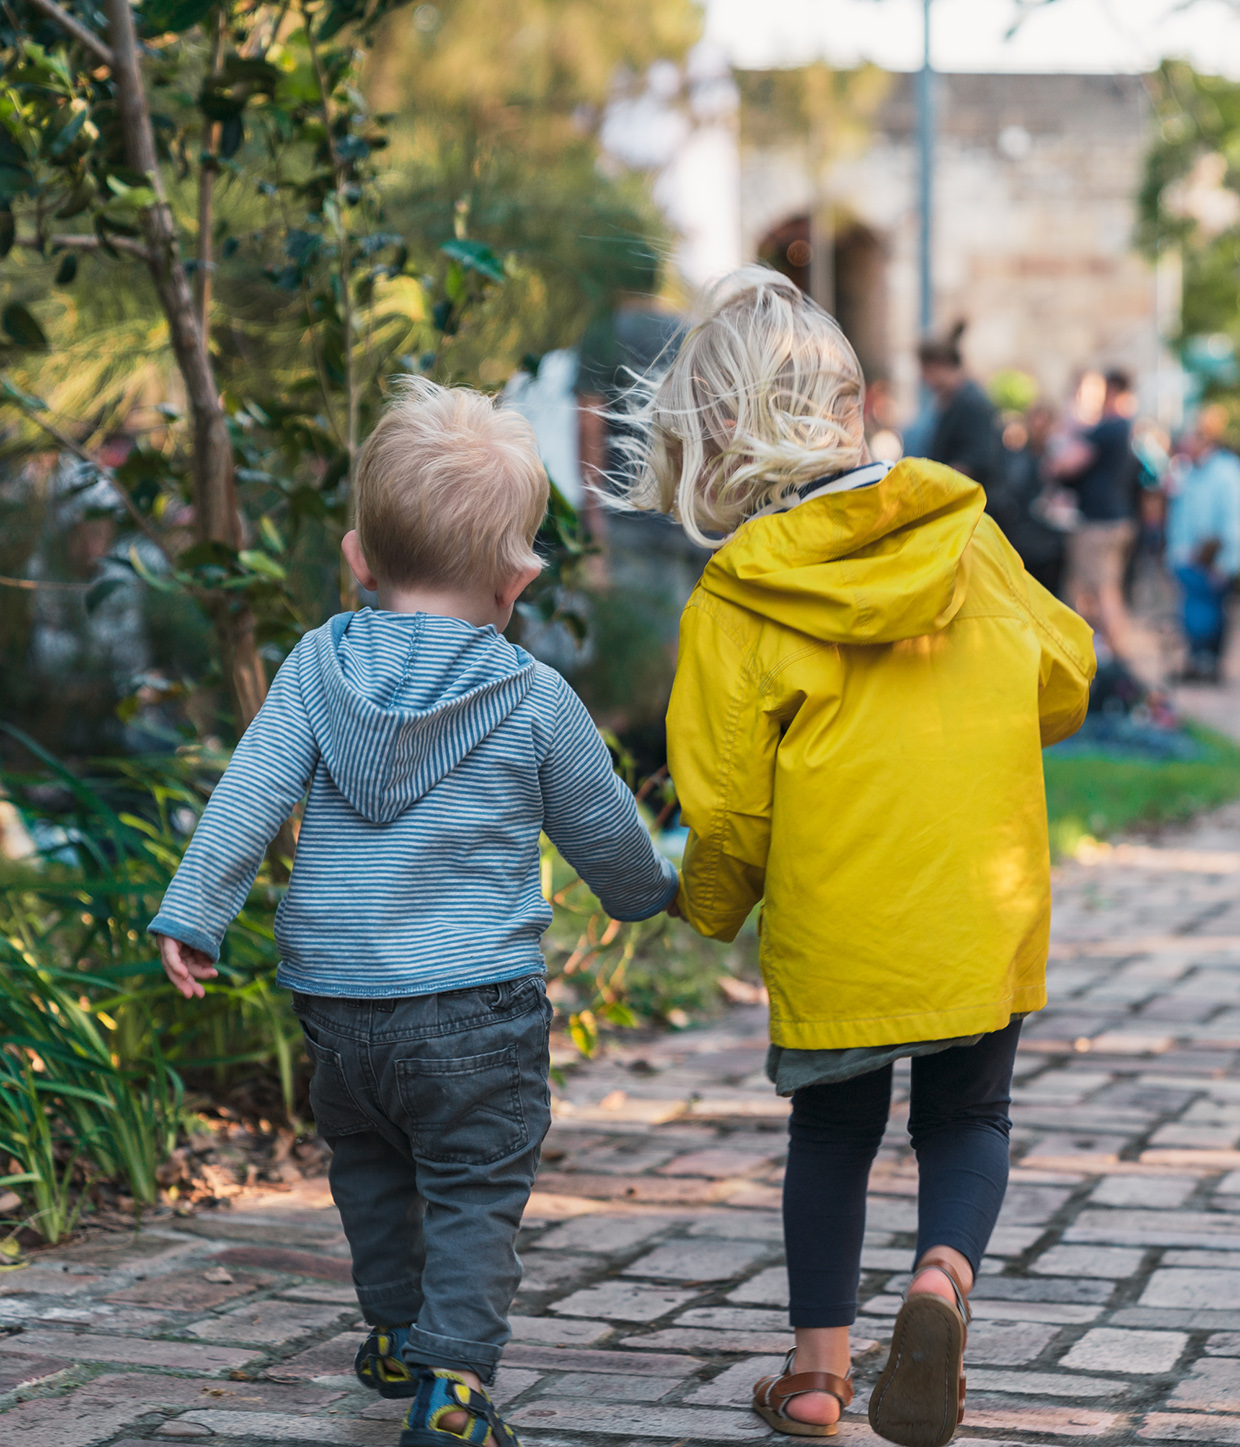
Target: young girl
x,y
867,677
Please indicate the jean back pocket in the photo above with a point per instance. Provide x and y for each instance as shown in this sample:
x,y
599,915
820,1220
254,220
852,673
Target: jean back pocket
x,y
466,1109
332,1103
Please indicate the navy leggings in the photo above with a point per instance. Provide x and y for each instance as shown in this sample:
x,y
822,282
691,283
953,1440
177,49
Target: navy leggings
x,y
959,1126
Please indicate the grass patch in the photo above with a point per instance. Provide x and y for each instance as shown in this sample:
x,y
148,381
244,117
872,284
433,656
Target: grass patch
x,y
1094,795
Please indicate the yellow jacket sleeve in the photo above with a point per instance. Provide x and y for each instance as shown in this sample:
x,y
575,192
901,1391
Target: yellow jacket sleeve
x,y
721,750
1068,663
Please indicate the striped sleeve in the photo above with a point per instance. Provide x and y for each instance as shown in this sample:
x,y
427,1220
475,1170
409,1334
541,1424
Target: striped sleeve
x,y
592,819
266,777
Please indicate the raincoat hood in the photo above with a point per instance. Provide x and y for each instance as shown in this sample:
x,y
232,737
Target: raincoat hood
x,y
396,700
873,565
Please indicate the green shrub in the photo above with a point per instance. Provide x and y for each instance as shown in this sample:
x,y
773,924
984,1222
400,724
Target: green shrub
x,y
1096,794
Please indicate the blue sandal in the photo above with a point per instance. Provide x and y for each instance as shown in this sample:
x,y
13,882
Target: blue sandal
x,y
380,1363
440,1392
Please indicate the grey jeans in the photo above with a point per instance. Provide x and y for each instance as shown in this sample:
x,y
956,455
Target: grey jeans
x,y
435,1107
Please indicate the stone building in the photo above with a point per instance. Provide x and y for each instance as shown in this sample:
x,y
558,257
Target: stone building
x,y
1034,226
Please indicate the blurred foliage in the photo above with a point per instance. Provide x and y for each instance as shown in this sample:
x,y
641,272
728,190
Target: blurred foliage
x,y
387,192
1190,200
1097,795
831,108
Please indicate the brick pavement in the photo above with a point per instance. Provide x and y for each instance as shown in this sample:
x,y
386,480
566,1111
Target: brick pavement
x,y
1108,1309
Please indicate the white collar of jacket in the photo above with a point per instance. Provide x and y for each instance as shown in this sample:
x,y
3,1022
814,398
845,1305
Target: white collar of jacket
x,y
864,476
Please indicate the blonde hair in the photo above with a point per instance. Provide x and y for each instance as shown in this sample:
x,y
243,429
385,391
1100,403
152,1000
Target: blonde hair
x,y
764,395
450,489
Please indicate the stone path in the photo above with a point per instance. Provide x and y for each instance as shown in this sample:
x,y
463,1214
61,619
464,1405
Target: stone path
x,y
1109,1307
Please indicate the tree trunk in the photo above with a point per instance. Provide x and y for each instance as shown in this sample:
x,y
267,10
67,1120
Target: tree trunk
x,y
215,496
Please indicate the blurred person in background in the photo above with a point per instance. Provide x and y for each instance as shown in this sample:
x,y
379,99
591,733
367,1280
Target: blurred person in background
x,y
882,433
966,434
1016,501
624,342
1097,463
1203,540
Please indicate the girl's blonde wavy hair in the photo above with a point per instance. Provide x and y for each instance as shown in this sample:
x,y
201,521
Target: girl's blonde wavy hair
x,y
764,395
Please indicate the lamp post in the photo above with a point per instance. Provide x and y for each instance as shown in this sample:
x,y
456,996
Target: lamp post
x,y
925,177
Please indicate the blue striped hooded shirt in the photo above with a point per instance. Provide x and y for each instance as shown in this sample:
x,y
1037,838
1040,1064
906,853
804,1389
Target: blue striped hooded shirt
x,y
434,753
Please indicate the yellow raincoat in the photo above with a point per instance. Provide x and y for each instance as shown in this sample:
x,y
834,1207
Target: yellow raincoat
x,y
864,688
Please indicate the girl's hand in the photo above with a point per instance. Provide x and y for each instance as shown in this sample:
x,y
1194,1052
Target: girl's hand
x,y
674,908
185,966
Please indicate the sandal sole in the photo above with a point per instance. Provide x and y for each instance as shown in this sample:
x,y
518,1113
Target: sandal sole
x,y
916,1401
790,1427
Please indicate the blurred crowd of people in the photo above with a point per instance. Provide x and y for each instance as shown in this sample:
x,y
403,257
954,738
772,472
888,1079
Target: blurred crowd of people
x,y
1090,495
1084,493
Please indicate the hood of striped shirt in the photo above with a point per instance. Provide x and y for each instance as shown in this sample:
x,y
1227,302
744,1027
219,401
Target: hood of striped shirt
x,y
399,699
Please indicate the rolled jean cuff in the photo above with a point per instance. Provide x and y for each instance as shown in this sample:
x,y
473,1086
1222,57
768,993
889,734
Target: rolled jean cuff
x,y
426,1349
392,1304
817,1317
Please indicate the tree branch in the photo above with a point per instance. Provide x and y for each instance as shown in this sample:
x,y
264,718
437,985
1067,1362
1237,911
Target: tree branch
x,y
33,585
86,243
348,594
215,494
100,49
212,131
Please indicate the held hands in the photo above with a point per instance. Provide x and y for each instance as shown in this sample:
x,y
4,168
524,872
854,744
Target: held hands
x,y
185,966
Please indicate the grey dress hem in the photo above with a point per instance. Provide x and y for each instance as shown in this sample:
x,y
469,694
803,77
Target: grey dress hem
x,y
792,1070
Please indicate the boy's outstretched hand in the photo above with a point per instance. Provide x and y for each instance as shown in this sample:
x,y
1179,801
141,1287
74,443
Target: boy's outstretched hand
x,y
185,966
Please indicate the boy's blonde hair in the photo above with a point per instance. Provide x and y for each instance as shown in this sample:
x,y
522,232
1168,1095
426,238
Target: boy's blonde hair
x,y
764,395
450,489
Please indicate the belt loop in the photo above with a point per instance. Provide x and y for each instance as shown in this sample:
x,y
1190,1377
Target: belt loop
x,y
503,995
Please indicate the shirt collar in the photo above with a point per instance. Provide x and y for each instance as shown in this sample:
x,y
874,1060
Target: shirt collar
x,y
864,476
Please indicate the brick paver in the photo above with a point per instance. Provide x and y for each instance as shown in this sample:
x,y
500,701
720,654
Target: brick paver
x,y
1108,1309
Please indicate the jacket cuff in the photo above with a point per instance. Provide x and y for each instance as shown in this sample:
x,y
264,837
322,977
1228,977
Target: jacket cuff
x,y
644,911
164,924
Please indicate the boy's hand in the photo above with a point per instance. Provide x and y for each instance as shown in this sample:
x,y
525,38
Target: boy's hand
x,y
674,908
185,966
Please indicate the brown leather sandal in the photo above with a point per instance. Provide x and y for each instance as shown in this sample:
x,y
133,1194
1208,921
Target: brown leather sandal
x,y
918,1401
772,1394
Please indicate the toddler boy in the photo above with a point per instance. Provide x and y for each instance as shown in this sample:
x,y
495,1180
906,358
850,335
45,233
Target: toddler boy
x,y
433,752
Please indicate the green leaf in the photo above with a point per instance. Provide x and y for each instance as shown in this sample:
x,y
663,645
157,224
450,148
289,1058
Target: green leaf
x,y
70,130
221,105
160,16
127,198
232,134
583,1030
22,327
23,399
261,74
67,269
14,180
272,533
208,553
99,591
78,199
475,256
152,580
260,562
